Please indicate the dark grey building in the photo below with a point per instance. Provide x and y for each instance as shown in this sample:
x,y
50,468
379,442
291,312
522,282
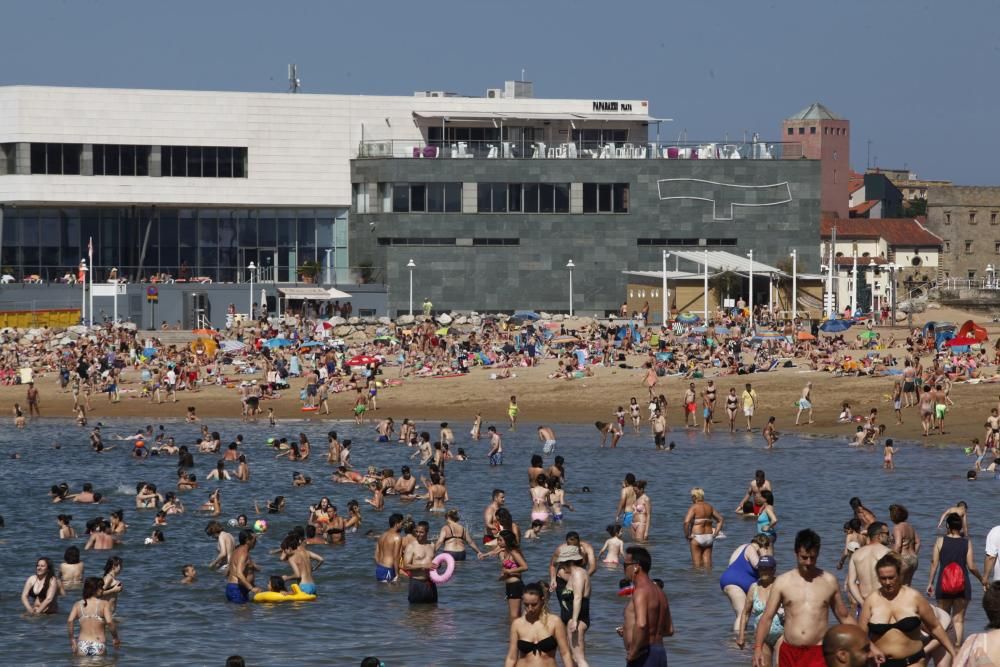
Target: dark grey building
x,y
496,234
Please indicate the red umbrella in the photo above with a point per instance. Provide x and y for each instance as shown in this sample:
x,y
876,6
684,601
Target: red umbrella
x,y
362,360
961,341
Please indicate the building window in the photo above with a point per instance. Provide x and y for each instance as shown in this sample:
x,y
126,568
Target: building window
x,y
420,197
993,217
996,247
802,130
791,130
947,246
812,130
8,158
201,162
605,197
120,160
972,274
835,176
968,247
947,217
56,158
523,197
972,217
686,242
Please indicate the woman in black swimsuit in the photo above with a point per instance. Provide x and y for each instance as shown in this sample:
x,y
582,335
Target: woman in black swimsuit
x,y
39,594
535,636
453,537
732,407
894,614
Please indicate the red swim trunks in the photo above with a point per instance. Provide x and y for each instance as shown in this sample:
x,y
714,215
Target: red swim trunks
x,y
800,656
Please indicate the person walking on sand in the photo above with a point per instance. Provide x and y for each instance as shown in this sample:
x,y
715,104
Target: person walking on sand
x,y
805,403
749,400
649,379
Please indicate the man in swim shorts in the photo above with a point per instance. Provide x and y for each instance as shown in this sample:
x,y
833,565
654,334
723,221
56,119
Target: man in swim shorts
x,y
626,501
387,550
548,438
496,447
418,560
644,644
239,575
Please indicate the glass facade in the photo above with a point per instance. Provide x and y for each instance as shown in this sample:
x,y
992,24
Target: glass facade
x,y
216,243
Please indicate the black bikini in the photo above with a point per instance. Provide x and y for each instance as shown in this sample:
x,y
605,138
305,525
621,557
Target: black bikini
x,y
904,625
546,645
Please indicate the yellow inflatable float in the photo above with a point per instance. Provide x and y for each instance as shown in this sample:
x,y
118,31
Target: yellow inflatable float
x,y
295,596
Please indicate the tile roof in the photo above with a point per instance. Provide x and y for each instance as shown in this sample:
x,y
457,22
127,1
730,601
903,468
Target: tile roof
x,y
895,231
814,111
864,207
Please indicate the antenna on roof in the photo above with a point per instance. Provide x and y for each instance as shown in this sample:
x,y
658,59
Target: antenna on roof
x,y
294,82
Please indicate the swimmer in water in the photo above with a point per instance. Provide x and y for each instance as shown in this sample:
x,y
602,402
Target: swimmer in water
x,y
613,546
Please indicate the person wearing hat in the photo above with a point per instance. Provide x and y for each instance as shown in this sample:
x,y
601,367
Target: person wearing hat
x,y
756,602
574,598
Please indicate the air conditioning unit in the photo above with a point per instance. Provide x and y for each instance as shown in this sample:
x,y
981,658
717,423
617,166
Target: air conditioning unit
x,y
494,93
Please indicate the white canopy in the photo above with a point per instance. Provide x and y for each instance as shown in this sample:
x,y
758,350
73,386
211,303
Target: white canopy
x,y
312,293
720,260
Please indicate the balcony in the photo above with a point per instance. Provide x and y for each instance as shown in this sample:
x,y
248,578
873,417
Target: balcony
x,y
581,150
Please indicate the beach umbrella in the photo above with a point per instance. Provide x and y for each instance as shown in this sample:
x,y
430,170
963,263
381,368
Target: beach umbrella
x,y
362,360
805,335
204,346
232,346
527,315
835,326
149,352
868,334
688,318
961,341
277,342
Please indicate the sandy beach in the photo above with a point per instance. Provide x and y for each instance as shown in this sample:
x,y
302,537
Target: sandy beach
x,y
585,400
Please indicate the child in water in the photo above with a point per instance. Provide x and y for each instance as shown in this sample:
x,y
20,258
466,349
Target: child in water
x,y
887,453
613,546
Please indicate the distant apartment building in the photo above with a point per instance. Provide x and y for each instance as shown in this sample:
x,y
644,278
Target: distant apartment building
x,y
909,185
967,218
873,195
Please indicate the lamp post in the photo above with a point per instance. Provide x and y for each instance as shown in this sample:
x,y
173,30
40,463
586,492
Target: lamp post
x,y
750,300
570,265
410,265
666,299
252,268
83,284
990,276
874,285
795,285
854,284
892,305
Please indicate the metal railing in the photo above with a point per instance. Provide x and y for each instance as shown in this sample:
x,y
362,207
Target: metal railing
x,y
991,283
582,150
44,275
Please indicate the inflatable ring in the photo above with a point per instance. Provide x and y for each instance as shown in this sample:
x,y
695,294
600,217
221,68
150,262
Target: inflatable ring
x,y
295,596
436,575
307,408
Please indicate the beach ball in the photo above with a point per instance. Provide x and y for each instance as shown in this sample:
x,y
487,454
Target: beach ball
x,y
260,526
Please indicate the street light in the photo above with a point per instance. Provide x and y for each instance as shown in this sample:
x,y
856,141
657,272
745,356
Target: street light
x,y
251,268
795,286
750,300
410,265
666,299
872,265
570,265
854,284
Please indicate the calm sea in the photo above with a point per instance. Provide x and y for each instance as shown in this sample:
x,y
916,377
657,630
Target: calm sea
x,y
164,623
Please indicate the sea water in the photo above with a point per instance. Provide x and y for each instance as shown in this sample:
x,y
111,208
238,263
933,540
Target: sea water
x,y
164,623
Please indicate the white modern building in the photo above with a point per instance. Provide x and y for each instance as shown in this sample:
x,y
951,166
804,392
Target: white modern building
x,y
199,185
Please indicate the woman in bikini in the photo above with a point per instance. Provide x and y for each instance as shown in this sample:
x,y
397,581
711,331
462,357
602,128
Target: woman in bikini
x,y
40,590
71,569
613,546
539,499
732,407
454,537
894,614
112,587
634,411
702,524
512,564
643,512
95,619
536,636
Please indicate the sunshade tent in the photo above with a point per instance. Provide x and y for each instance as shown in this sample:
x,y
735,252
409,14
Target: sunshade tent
x,y
361,360
972,330
835,326
805,335
961,341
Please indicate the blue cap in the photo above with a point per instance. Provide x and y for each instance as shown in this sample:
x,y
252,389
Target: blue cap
x,y
767,563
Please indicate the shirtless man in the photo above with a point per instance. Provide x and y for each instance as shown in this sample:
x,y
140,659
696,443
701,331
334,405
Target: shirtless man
x,y
807,594
862,579
846,646
758,484
862,513
927,410
418,559
387,550
690,407
385,429
226,544
405,485
333,453
586,548
33,401
496,447
659,429
101,538
239,576
548,439
626,501
647,614
300,560
536,468
489,513
447,436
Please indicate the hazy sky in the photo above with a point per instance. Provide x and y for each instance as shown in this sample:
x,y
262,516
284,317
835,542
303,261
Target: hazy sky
x,y
917,79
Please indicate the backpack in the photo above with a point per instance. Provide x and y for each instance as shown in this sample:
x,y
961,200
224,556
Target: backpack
x,y
952,580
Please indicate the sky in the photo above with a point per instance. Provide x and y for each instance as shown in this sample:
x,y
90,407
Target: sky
x,y
917,79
